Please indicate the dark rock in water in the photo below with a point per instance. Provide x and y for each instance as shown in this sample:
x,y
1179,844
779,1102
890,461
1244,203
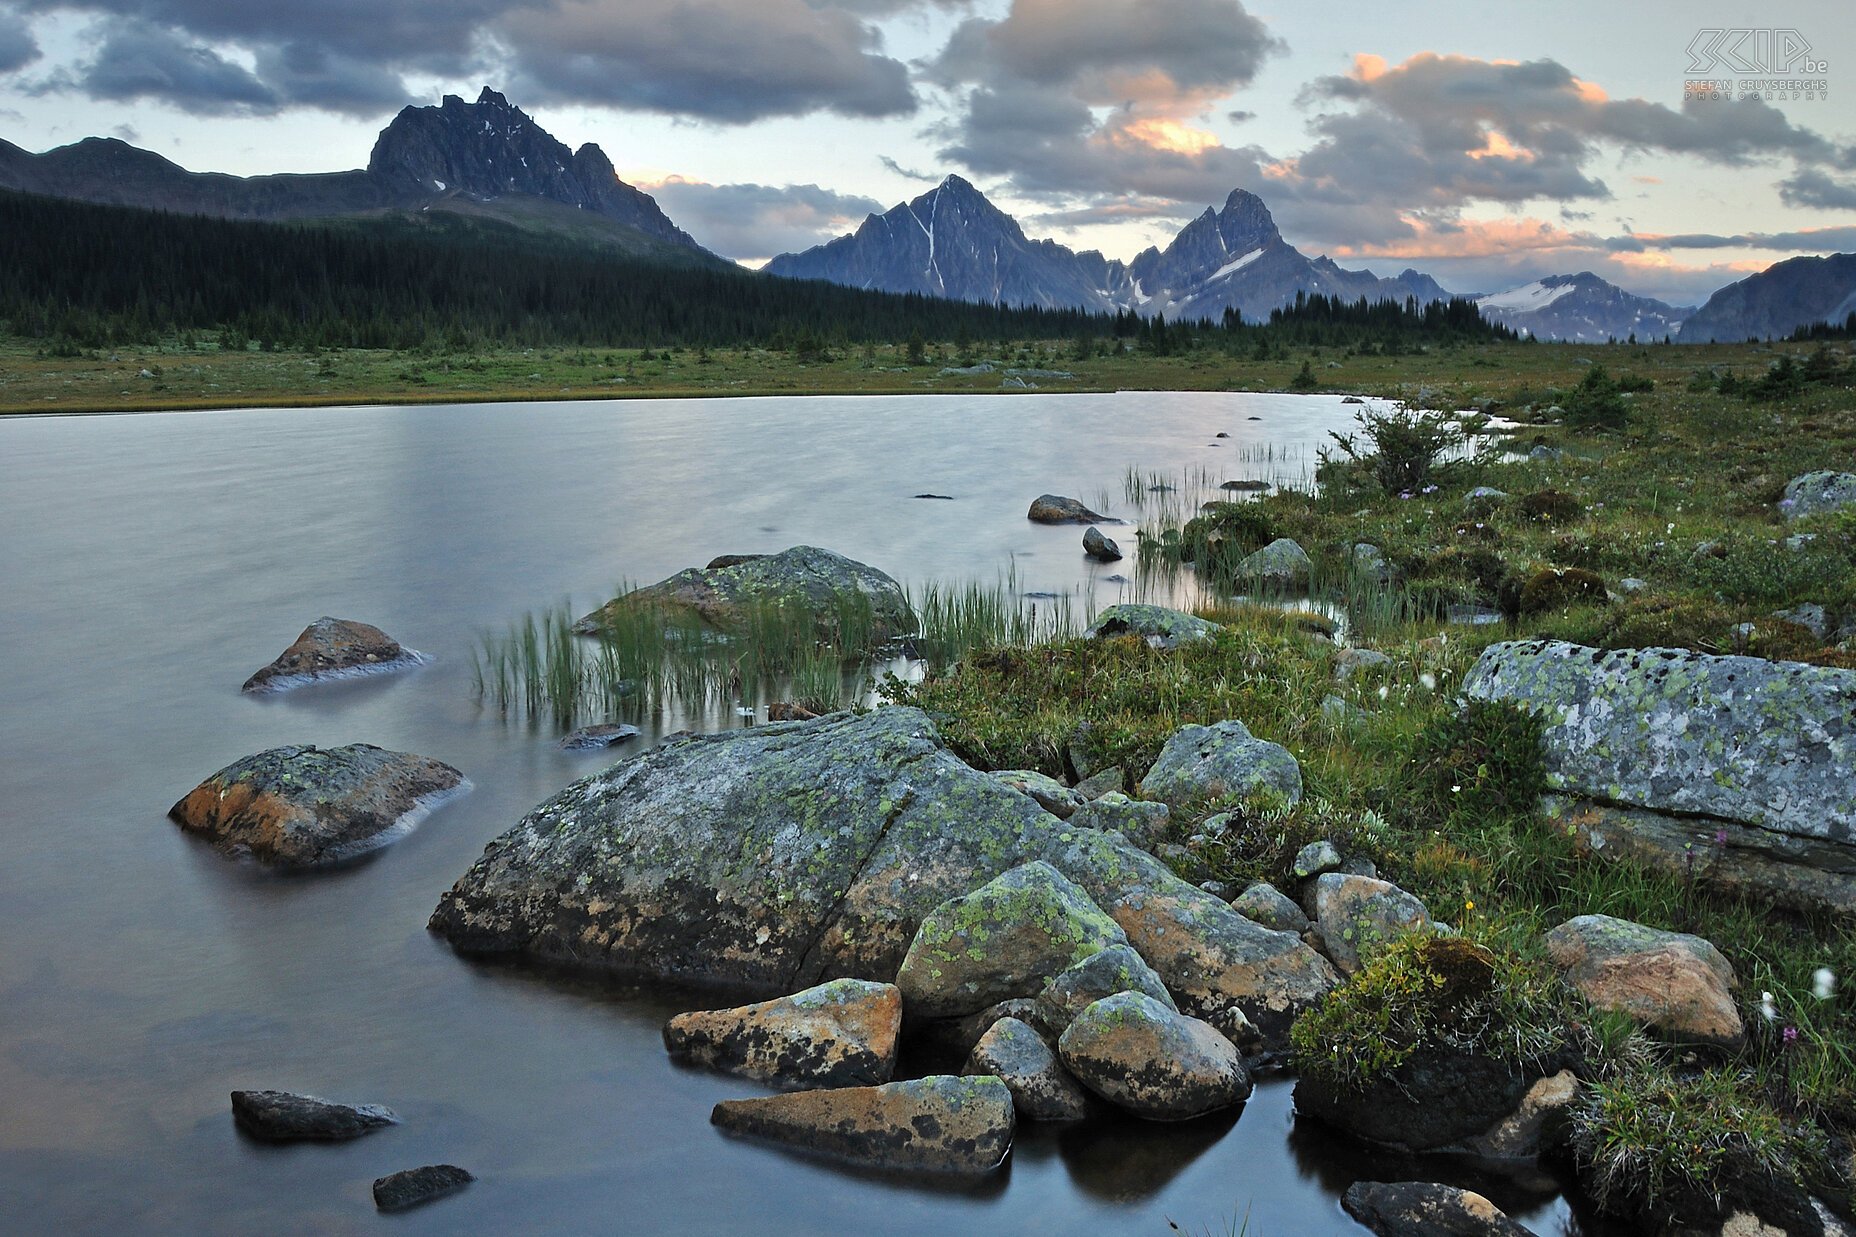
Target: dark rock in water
x,y
935,1124
943,497
1434,1099
332,648
840,1034
593,737
1056,509
280,1116
1017,1055
1152,1061
1249,485
720,593
957,1037
299,806
1352,399
415,1186
1260,418
1221,434
1421,1209
1100,548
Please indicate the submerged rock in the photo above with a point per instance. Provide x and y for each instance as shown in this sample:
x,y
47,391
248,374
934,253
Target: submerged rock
x,y
1672,982
1752,741
280,1116
1223,760
1007,938
1102,549
1160,627
839,1034
935,1124
1017,1055
1423,1209
1056,509
416,1186
300,806
1152,1061
592,738
332,648
820,581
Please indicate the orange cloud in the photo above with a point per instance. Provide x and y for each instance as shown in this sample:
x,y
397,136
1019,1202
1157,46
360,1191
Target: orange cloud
x,y
1471,238
1497,146
1168,135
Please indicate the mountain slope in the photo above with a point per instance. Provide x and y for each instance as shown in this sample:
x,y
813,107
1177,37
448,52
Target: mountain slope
x,y
482,159
1581,308
1777,301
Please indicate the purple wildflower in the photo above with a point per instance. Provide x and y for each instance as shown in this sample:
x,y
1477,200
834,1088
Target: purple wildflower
x,y
1789,1035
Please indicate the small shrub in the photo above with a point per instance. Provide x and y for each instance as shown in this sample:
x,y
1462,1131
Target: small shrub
x,y
1223,534
1304,379
1403,447
1556,588
1597,403
1481,761
1549,507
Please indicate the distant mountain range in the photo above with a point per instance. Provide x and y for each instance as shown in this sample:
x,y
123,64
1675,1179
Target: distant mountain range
x,y
490,159
482,158
953,242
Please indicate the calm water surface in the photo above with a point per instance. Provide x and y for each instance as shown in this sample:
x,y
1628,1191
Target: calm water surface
x,y
149,563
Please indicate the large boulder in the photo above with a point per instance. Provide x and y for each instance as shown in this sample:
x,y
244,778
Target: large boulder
x,y
1757,742
821,582
1006,939
1435,1098
332,648
1115,969
1152,1061
1220,761
1056,509
1424,1209
838,1034
1017,1055
934,1124
778,856
1282,564
301,806
281,1116
1816,492
1359,915
1160,627
1672,982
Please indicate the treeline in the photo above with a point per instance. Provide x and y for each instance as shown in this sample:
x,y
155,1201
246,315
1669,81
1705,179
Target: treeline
x,y
1820,331
79,276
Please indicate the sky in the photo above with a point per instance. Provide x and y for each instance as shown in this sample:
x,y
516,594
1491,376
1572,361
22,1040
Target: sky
x,y
1485,143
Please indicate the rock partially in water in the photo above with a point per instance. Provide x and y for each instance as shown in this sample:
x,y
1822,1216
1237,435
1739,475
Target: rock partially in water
x,y
820,581
280,1116
1007,938
1017,1055
1671,982
332,648
1817,492
593,738
1247,485
1423,1209
1160,627
1223,760
1751,741
838,1034
301,806
1056,509
1100,548
1151,1061
1116,969
1436,1098
1359,916
417,1186
935,1124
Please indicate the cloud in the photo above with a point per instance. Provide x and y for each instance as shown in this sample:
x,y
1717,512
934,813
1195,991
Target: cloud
x,y
907,173
1819,240
18,48
139,61
1811,188
758,221
312,76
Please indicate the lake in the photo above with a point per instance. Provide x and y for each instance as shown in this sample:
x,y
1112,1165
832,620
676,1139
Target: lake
x,y
151,563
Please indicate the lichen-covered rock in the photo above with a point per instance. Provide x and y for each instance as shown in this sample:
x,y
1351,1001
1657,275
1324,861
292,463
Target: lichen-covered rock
x,y
935,1124
1052,795
1017,1055
1116,969
1351,661
1758,742
332,648
1359,915
838,1034
301,806
1223,760
1102,549
1280,564
416,1186
1672,982
1101,782
1423,1209
1152,1061
1265,904
1435,1098
1140,821
280,1116
1160,627
820,581
1007,938
1056,509
1314,859
1816,492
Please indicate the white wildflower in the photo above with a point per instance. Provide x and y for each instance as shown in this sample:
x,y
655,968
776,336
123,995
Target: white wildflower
x,y
1428,681
1823,983
1767,1009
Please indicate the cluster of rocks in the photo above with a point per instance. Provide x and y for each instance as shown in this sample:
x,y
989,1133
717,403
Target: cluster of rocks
x,y
284,1117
